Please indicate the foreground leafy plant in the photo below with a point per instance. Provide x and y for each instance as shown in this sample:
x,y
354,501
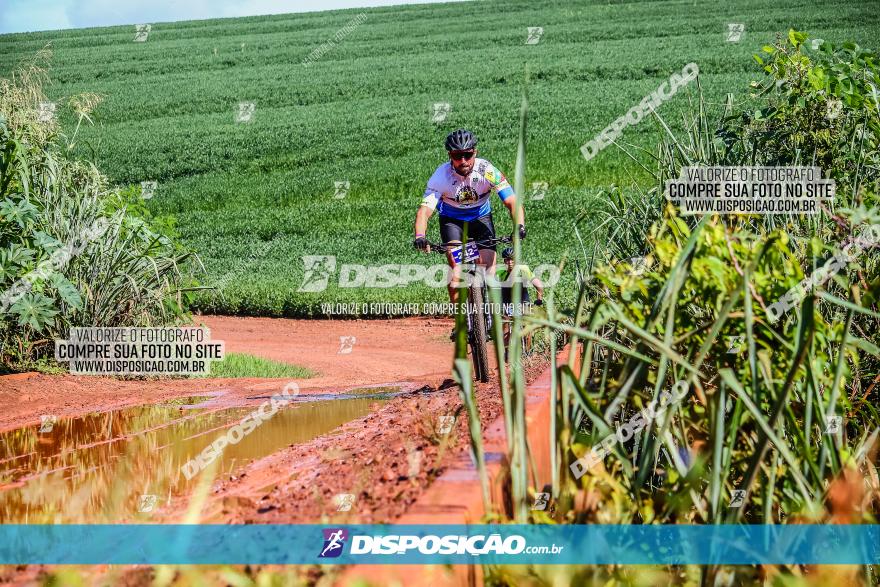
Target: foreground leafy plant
x,y
779,420
71,251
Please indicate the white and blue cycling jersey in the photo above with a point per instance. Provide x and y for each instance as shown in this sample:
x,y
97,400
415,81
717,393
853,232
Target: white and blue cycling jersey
x,y
465,198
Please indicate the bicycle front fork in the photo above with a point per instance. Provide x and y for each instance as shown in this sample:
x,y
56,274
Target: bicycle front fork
x,y
486,314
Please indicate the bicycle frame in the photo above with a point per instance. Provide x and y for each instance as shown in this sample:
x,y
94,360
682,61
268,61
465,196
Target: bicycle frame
x,y
478,328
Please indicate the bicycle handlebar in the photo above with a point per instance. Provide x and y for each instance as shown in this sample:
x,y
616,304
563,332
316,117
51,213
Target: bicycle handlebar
x,y
442,248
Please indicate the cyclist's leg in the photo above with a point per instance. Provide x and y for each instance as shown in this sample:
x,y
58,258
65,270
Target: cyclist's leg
x,y
450,233
453,284
484,229
527,339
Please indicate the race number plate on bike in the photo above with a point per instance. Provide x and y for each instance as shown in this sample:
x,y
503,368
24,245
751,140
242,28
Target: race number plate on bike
x,y
471,253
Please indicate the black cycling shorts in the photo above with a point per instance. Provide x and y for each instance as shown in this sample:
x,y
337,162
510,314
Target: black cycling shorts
x,y
481,229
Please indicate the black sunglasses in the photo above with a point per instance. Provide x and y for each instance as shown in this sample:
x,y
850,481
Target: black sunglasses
x,y
463,155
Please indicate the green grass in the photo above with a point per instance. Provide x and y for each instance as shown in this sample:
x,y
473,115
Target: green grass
x,y
43,365
253,198
244,365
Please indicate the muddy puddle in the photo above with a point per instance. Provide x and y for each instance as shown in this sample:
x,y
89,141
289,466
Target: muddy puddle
x,y
375,393
122,465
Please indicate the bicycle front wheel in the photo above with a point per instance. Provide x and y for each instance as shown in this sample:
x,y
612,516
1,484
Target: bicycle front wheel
x,y
479,334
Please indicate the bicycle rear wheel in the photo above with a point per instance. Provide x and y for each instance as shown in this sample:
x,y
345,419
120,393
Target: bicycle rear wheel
x,y
479,334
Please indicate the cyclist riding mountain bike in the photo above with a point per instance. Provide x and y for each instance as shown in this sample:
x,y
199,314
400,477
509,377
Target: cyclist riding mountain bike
x,y
460,191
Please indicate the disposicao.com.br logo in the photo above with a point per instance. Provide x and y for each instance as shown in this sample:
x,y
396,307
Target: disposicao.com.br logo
x,y
320,269
450,544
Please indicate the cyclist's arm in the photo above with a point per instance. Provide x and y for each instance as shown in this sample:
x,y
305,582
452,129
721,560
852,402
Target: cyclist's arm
x,y
422,216
500,184
426,210
539,287
517,214
529,277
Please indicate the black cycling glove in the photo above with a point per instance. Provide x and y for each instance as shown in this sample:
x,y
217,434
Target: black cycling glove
x,y
522,232
421,243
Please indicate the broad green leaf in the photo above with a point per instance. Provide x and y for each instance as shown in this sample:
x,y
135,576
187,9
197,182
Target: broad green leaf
x,y
21,212
34,310
796,38
17,255
66,290
46,242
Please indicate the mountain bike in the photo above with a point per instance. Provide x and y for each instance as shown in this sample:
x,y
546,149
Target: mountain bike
x,y
478,314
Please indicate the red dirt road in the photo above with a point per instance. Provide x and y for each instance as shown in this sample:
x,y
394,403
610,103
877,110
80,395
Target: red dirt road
x,y
413,349
385,460
409,349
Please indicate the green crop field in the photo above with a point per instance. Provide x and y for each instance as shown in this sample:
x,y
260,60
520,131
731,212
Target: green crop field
x,y
253,197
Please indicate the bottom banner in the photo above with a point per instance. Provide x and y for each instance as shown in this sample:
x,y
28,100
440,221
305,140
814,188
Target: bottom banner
x,y
444,544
